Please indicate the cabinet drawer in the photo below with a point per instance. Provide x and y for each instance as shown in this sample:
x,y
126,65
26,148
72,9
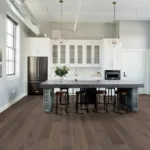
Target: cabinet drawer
x,y
34,89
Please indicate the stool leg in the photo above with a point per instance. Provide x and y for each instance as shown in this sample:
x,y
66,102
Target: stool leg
x,y
106,105
56,104
104,99
76,107
68,97
127,104
118,102
96,101
114,104
60,99
111,95
87,100
108,96
66,104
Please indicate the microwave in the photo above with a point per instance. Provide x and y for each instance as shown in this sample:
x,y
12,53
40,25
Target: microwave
x,y
112,74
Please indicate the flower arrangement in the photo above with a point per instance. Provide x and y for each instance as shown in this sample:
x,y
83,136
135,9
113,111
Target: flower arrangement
x,y
61,71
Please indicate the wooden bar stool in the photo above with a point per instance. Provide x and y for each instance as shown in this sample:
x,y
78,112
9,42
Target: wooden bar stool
x,y
110,95
119,101
61,94
103,93
67,90
80,99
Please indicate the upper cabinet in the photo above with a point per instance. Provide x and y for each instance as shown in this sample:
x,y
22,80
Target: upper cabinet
x,y
72,54
63,54
88,54
38,46
111,55
55,54
77,53
80,54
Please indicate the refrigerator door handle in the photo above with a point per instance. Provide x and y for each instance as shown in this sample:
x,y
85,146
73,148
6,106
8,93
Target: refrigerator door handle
x,y
38,62
36,68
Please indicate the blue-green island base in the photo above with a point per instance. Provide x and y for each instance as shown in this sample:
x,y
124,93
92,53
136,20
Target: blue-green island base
x,y
132,97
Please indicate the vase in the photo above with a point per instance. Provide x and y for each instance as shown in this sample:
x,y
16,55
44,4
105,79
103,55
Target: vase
x,y
61,79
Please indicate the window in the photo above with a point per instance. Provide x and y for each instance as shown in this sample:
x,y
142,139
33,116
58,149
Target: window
x,y
11,47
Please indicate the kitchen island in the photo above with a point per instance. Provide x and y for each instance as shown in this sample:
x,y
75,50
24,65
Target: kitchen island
x,y
129,86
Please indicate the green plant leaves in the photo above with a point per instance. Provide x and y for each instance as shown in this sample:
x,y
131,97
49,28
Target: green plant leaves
x,y
61,71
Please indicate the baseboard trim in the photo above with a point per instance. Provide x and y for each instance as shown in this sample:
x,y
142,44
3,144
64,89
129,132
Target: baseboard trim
x,y
6,106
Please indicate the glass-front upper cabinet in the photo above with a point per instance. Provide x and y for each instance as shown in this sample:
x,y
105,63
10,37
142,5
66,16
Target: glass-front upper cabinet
x,y
89,54
55,54
62,54
72,54
96,54
80,54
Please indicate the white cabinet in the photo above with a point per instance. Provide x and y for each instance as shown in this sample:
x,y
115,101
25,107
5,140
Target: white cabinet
x,y
111,55
72,54
77,53
80,54
38,46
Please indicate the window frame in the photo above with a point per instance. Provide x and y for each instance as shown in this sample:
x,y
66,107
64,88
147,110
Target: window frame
x,y
14,38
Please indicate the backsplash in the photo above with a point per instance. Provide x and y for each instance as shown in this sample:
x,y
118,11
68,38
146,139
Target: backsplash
x,y
79,72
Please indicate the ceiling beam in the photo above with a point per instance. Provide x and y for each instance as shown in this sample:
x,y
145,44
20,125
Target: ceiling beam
x,y
77,15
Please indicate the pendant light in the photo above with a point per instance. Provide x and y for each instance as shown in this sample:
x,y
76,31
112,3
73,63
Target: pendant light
x,y
114,42
61,40
20,2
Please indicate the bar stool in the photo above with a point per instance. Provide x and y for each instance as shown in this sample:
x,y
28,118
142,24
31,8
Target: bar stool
x,y
103,93
80,99
110,95
67,90
119,101
62,94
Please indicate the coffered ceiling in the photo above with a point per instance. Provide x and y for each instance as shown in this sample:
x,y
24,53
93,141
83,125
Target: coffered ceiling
x,y
90,11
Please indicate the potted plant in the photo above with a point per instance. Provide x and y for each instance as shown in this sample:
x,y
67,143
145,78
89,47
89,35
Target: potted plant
x,y
61,72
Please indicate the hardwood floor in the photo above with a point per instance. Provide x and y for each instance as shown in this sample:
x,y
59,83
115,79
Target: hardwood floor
x,y
25,126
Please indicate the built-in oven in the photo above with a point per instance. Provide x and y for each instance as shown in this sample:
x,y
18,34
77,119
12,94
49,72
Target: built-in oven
x,y
112,74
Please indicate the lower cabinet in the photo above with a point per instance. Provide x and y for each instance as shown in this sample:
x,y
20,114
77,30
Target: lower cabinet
x,y
34,88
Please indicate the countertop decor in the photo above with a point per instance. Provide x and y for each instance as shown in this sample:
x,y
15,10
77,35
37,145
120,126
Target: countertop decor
x,y
61,72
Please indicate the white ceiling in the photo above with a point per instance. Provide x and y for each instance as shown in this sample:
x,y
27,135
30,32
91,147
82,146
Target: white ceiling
x,y
91,11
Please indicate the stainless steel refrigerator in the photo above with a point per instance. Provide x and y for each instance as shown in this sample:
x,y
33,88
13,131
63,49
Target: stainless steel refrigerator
x,y
37,73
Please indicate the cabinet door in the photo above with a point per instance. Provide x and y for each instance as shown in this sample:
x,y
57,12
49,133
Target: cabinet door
x,y
80,54
55,54
38,46
112,55
72,54
62,54
34,89
88,54
96,55
42,70
116,57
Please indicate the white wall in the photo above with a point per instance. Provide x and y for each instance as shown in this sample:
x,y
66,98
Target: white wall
x,y
134,34
17,84
90,31
135,43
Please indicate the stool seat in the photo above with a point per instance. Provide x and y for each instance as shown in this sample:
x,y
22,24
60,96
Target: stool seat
x,y
61,92
121,93
100,92
80,93
64,88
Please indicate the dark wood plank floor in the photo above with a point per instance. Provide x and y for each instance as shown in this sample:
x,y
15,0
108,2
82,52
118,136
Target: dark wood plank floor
x,y
25,126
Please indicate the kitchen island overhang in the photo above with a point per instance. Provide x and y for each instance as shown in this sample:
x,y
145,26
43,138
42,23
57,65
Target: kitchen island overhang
x,y
130,86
